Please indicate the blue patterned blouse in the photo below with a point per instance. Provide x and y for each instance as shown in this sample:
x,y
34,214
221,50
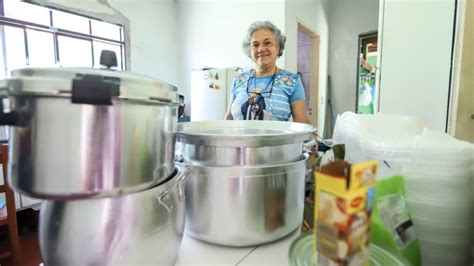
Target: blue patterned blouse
x,y
274,93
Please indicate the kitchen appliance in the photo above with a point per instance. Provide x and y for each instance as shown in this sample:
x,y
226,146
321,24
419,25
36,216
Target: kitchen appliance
x,y
140,228
244,205
246,185
86,132
210,92
232,143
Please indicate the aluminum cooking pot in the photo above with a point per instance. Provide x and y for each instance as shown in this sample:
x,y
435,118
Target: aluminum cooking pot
x,y
245,205
84,132
134,229
231,143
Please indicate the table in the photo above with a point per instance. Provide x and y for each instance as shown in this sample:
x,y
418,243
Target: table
x,y
195,252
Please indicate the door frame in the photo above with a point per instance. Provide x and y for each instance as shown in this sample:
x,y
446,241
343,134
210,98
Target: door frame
x,y
314,82
362,38
457,67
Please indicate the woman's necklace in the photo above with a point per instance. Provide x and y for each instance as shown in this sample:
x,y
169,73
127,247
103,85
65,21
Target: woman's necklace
x,y
256,92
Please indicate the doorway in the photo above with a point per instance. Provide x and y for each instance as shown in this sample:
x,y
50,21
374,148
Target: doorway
x,y
367,58
308,69
461,117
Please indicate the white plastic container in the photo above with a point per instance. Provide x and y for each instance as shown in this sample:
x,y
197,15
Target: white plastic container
x,y
426,208
457,189
433,253
443,234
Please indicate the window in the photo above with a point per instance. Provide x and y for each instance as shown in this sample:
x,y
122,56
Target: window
x,y
13,41
74,52
26,12
40,48
37,36
71,22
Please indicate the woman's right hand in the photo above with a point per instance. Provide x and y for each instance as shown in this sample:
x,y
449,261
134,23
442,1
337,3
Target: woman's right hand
x,y
228,115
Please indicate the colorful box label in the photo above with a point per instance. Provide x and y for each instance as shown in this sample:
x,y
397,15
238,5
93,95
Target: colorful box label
x,y
344,199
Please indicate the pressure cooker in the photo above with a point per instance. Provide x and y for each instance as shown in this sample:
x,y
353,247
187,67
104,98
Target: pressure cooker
x,y
79,132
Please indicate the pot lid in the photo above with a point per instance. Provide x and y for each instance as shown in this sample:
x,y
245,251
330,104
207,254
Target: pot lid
x,y
93,86
243,133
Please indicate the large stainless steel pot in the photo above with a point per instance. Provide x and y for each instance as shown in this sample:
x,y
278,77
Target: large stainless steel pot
x,y
81,132
134,229
245,205
230,143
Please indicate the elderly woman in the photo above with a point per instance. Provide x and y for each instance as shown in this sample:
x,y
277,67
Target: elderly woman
x,y
266,92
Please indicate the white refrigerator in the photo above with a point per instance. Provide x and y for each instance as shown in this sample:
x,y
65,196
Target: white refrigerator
x,y
210,92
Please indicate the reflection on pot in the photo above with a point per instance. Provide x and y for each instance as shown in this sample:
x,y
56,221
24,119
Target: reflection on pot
x,y
245,205
139,228
275,208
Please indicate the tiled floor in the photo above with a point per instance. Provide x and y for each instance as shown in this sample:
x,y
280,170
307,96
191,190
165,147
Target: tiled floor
x,y
29,245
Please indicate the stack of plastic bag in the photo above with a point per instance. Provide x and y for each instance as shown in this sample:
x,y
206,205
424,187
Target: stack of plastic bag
x,y
438,178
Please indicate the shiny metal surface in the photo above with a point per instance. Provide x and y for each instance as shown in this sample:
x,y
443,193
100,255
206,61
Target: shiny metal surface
x,y
243,206
134,229
232,156
57,81
67,150
230,143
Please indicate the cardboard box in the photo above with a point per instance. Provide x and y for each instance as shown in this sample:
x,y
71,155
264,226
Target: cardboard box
x,y
344,198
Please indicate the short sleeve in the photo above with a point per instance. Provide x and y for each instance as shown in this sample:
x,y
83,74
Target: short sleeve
x,y
298,92
233,90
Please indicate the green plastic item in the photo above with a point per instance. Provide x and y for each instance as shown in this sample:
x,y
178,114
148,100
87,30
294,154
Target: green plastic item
x,y
302,253
392,228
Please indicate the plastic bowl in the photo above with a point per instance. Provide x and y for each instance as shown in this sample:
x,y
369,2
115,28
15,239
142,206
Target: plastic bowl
x,y
450,190
428,209
442,234
465,225
433,253
441,200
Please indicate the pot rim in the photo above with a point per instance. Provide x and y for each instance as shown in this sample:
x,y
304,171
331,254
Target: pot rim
x,y
128,193
274,133
248,170
59,82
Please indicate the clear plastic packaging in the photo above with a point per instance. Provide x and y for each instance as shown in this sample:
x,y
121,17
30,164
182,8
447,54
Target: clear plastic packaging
x,y
438,171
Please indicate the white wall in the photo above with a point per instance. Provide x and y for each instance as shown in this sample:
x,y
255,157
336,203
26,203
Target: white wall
x,y
170,38
416,56
312,14
348,19
152,28
211,33
153,38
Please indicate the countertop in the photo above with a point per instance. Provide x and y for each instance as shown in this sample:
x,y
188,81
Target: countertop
x,y
196,252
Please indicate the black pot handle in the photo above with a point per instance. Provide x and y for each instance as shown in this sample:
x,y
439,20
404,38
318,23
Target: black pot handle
x,y
94,89
9,119
12,118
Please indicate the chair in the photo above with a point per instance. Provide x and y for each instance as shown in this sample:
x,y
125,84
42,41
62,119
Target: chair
x,y
10,220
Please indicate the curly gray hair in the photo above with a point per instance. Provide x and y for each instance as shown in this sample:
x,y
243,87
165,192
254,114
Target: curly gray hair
x,y
258,25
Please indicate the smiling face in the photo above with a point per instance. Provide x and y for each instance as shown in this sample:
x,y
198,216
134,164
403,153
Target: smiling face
x,y
264,49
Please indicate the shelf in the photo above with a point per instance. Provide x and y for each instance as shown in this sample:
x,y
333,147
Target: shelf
x,y
2,188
